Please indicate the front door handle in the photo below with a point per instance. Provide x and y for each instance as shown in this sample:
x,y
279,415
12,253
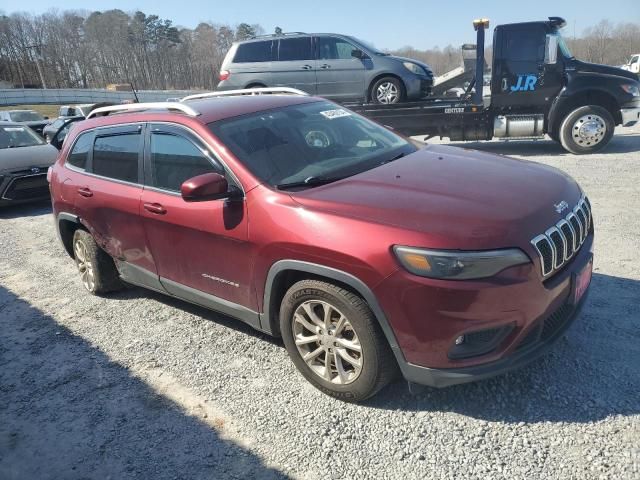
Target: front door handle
x,y
155,208
85,192
306,67
326,65
504,84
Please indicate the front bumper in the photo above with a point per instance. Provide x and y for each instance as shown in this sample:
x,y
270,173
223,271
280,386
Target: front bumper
x,y
630,116
25,186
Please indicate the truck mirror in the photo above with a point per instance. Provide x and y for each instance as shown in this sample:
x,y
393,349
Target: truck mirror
x,y
551,50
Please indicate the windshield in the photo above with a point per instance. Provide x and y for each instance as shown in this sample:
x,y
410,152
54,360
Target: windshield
x,y
368,46
566,52
312,143
25,116
15,136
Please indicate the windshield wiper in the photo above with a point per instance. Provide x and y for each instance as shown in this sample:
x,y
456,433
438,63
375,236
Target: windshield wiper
x,y
310,182
400,155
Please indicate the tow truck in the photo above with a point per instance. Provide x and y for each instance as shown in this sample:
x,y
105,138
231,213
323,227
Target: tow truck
x,y
537,87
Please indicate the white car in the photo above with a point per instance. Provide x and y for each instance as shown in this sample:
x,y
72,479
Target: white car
x,y
633,65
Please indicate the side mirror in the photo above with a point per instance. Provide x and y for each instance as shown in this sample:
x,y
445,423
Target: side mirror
x,y
357,53
551,50
208,186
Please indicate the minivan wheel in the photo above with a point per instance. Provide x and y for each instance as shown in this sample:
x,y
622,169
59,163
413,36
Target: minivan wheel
x,y
97,270
586,129
334,340
387,90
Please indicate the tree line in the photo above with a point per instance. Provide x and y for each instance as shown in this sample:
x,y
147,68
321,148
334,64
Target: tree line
x,y
72,49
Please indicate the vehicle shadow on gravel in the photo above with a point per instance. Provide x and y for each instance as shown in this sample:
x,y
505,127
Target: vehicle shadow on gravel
x,y
68,411
35,209
590,374
620,143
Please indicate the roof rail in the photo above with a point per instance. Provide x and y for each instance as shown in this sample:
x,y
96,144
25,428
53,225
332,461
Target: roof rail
x,y
132,107
284,34
248,91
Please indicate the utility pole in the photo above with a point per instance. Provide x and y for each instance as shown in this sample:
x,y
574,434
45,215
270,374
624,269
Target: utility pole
x,y
44,84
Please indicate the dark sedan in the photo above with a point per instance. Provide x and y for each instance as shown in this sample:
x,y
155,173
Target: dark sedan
x,y
24,160
30,118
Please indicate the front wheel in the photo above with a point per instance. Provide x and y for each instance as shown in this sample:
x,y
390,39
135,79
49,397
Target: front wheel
x,y
334,340
387,90
587,129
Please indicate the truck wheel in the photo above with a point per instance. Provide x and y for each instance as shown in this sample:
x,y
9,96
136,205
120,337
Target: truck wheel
x,y
334,340
98,272
586,130
387,90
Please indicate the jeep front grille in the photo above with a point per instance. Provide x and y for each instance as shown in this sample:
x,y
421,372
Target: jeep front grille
x,y
563,240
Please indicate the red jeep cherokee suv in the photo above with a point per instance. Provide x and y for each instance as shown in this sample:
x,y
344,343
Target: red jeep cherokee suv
x,y
365,252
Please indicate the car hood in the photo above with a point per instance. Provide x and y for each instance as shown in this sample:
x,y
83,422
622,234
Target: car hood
x,y
457,198
412,60
22,158
587,67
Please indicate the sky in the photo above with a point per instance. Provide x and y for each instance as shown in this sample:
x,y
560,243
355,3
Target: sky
x,y
387,24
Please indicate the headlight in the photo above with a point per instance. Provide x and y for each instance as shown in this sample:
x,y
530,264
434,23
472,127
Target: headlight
x,y
412,67
458,265
631,89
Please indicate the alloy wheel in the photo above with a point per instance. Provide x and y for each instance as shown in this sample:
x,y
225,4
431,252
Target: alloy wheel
x,y
387,92
85,267
327,342
589,130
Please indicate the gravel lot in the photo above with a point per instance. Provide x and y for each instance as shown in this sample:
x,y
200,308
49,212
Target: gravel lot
x,y
137,385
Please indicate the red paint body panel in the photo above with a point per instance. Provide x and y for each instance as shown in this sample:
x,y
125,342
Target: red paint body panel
x,y
437,197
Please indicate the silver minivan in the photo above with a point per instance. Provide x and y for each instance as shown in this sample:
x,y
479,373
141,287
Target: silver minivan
x,y
338,67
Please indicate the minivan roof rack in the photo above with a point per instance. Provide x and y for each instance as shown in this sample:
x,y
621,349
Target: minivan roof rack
x,y
248,91
283,34
132,107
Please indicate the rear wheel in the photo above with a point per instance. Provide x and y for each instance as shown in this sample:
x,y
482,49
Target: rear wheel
x,y
387,90
586,130
334,340
96,267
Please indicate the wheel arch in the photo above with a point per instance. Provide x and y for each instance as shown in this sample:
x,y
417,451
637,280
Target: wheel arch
x,y
285,273
67,224
379,76
566,104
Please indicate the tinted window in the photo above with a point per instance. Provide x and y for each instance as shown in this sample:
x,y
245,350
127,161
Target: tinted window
x,y
331,48
80,151
15,136
253,52
524,46
175,159
295,49
116,156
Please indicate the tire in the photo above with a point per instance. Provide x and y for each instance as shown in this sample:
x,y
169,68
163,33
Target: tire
x,y
359,329
394,88
586,130
256,85
96,267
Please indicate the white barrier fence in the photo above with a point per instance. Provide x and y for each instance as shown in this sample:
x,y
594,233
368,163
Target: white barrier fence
x,y
60,96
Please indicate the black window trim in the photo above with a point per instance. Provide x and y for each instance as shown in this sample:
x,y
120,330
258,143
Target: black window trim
x,y
198,141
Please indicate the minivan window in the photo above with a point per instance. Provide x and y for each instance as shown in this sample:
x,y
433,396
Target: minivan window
x,y
175,159
309,143
332,48
253,52
116,156
80,151
295,49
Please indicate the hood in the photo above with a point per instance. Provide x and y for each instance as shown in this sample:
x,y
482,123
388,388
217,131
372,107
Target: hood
x,y
587,67
412,60
22,158
458,198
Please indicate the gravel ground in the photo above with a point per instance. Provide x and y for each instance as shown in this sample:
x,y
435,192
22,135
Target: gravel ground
x,y
137,385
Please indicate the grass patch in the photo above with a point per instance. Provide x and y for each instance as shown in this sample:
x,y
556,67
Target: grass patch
x,y
50,111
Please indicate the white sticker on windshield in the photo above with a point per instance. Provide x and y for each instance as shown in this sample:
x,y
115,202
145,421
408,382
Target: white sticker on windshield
x,y
14,129
337,113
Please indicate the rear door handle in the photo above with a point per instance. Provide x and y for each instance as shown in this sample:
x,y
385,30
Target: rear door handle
x,y
155,208
85,192
326,65
306,67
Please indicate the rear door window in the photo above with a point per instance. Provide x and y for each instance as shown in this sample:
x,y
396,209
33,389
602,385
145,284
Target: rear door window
x,y
80,151
175,159
117,155
253,52
291,49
